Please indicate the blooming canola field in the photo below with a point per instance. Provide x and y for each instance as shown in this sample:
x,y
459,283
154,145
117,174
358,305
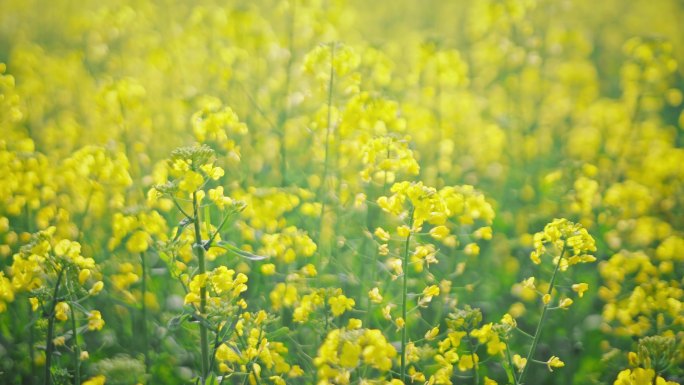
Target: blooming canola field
x,y
337,192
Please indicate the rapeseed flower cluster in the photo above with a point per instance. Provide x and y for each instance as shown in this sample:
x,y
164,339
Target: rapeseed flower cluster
x,y
57,279
354,353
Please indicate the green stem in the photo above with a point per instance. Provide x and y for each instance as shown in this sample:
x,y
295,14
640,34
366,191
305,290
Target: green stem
x,y
329,117
476,368
31,342
325,311
32,337
256,378
526,334
370,216
283,115
77,348
144,314
327,147
85,211
49,344
178,206
215,233
511,373
212,359
537,333
404,295
198,249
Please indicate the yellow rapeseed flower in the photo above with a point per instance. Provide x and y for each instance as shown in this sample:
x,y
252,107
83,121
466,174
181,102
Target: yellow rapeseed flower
x,y
374,295
519,362
580,288
554,362
97,380
95,321
62,311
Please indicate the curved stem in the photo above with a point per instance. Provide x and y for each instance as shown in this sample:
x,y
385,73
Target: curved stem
x,y
404,295
327,150
144,314
212,359
537,333
77,348
32,338
198,249
476,368
178,206
329,117
511,374
87,207
208,244
49,344
32,355
284,112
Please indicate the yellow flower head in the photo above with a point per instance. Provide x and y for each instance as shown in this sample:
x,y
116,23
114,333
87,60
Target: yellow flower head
x,y
399,322
519,362
96,288
374,295
339,304
439,232
432,333
62,311
529,283
138,242
268,269
580,288
35,303
507,319
95,321
565,303
467,361
382,234
554,362
97,380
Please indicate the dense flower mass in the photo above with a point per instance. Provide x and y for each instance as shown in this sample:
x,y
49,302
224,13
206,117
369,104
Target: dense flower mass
x,y
354,349
341,192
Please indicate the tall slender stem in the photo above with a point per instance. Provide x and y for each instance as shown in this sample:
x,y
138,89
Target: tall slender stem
x,y
537,333
284,112
81,224
30,310
49,344
476,366
321,188
404,296
31,343
511,374
144,314
329,117
198,249
77,349
370,215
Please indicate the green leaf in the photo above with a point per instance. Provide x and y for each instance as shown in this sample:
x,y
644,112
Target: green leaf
x,y
205,322
279,332
207,219
242,253
176,322
181,226
79,307
211,380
